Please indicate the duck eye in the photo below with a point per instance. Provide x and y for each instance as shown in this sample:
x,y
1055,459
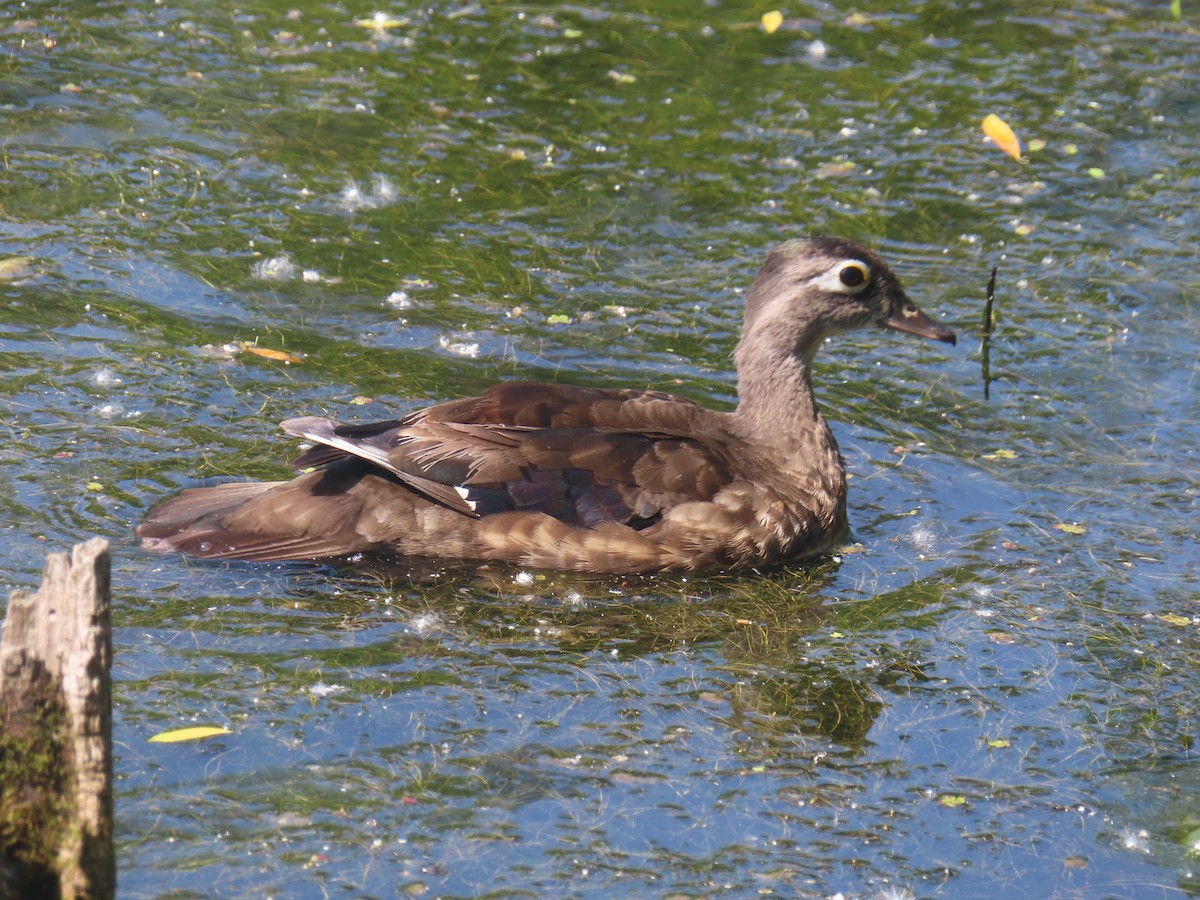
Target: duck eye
x,y
853,274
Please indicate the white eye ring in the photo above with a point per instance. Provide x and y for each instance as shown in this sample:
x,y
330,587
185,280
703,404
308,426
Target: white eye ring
x,y
849,276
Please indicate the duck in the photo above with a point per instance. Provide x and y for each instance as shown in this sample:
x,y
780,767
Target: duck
x,y
554,476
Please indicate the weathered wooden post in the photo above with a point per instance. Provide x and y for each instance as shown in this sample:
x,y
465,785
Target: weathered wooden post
x,y
56,801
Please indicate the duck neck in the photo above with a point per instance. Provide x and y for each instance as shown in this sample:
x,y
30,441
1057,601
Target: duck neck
x,y
776,407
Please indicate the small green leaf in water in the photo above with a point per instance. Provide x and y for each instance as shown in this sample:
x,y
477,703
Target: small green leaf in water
x,y
95,487
1096,172
999,743
835,169
1176,619
1000,454
1177,10
952,801
558,319
1191,841
1069,528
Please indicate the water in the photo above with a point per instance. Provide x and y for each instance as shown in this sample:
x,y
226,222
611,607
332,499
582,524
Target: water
x,y
968,696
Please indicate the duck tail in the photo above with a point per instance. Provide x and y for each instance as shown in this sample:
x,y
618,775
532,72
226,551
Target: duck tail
x,y
244,520
193,521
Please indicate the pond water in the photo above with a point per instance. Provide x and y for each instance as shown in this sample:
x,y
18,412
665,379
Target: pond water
x,y
991,687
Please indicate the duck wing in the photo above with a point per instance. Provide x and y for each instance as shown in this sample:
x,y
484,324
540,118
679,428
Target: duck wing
x,y
582,456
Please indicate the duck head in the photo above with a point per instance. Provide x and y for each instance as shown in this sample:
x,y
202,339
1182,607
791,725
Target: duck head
x,y
811,288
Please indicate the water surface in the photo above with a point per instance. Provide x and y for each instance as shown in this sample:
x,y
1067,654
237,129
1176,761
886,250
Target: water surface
x,y
990,685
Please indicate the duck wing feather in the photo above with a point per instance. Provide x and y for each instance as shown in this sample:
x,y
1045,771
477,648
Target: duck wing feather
x,y
582,456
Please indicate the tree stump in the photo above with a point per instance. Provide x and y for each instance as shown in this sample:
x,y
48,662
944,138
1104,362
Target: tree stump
x,y
56,802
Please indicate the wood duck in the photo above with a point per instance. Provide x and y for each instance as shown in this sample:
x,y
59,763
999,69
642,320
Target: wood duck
x,y
603,480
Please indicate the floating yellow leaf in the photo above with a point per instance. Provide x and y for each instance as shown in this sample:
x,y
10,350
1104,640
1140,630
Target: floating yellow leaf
x,y
1176,619
1002,135
1001,454
381,22
771,21
950,801
280,355
15,267
1069,528
999,743
199,732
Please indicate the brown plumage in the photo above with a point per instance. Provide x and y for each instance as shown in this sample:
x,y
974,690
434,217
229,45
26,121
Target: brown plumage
x,y
563,477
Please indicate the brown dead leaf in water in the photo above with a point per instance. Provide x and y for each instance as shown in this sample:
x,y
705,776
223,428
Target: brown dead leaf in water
x,y
266,353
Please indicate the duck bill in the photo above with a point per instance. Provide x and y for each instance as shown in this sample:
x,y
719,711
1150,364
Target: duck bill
x,y
906,316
